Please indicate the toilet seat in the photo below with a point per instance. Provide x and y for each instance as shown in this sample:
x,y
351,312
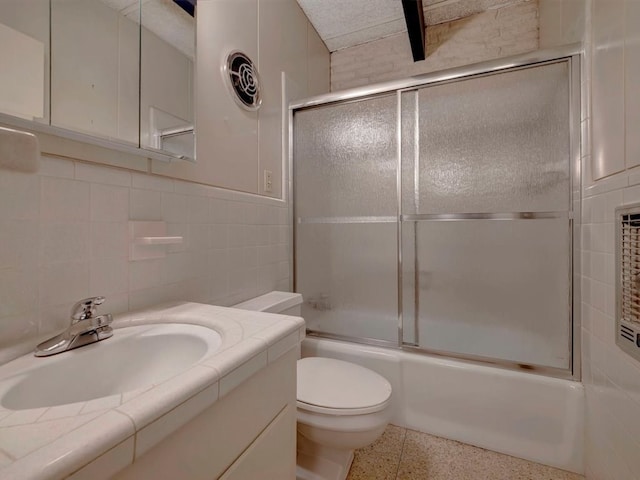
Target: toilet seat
x,y
335,387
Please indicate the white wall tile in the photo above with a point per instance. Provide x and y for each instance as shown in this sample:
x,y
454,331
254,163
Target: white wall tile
x,y
236,213
611,376
64,200
177,267
152,182
108,276
199,237
174,208
219,236
19,241
18,294
109,240
64,242
199,209
219,211
268,277
56,167
631,194
236,236
116,303
15,328
64,283
150,296
19,196
109,203
145,274
54,318
103,175
145,205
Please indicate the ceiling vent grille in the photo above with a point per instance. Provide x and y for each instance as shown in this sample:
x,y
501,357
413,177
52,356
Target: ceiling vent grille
x,y
243,80
628,279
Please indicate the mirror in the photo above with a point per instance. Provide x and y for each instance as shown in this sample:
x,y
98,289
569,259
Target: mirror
x,y
24,59
120,70
94,68
167,48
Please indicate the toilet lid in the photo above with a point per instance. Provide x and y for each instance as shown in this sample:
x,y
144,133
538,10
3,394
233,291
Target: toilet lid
x,y
333,384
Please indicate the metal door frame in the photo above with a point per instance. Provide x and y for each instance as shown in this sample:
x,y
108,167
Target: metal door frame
x,y
570,54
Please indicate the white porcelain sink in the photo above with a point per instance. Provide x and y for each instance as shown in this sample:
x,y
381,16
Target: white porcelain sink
x,y
135,357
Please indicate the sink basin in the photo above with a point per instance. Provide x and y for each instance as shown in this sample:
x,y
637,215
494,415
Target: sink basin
x,y
134,358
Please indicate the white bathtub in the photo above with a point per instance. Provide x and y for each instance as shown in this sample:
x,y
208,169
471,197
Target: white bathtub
x,y
528,416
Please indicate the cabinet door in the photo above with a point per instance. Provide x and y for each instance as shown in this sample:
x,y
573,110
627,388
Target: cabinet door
x,y
272,455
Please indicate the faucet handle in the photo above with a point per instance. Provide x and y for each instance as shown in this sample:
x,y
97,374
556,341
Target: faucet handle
x,y
85,308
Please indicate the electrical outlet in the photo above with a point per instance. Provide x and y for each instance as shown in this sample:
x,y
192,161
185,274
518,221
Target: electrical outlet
x,y
268,181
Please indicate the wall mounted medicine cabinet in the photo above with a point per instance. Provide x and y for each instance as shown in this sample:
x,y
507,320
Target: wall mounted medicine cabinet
x,y
115,73
123,76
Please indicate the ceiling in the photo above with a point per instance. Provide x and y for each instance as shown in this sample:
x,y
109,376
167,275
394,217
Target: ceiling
x,y
162,17
340,23
346,23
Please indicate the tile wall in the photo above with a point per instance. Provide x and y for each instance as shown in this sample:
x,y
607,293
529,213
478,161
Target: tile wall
x,y
64,236
611,378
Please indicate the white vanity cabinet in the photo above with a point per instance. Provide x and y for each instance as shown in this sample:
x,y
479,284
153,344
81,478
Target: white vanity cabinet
x,y
229,413
248,434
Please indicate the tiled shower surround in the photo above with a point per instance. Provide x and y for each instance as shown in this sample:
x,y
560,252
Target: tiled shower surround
x,y
64,236
611,377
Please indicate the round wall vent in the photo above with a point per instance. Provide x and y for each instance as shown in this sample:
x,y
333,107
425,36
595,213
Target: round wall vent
x,y
243,80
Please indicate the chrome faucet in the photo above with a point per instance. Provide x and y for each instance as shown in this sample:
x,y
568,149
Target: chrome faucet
x,y
85,328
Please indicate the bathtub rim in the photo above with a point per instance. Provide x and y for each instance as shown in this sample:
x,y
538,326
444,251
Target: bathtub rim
x,y
505,365
567,454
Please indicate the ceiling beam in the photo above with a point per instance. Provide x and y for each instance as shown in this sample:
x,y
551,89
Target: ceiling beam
x,y
414,16
188,6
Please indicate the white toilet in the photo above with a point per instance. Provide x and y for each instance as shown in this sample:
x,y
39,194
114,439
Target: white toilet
x,y
341,406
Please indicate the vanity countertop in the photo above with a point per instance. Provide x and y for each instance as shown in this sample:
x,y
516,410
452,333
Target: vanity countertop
x,y
97,438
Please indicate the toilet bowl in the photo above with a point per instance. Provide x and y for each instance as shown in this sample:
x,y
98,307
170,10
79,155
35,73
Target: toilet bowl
x,y
341,406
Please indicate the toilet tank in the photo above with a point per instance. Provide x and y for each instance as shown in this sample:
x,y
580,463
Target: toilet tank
x,y
284,303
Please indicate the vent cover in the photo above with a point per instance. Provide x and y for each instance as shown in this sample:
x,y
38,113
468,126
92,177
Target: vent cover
x,y
243,80
628,279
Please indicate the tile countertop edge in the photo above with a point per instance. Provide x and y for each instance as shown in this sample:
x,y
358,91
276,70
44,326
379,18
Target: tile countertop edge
x,y
72,450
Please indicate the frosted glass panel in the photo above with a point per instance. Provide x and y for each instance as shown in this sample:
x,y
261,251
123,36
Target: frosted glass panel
x,y
498,143
497,289
346,159
347,275
472,286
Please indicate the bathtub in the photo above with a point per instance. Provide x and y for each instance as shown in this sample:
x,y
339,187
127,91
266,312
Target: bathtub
x,y
525,415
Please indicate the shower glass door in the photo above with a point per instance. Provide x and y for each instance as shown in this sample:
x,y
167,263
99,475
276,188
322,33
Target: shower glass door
x,y
438,215
486,217
346,209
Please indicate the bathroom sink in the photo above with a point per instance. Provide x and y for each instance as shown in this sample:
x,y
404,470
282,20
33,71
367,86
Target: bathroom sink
x,y
134,358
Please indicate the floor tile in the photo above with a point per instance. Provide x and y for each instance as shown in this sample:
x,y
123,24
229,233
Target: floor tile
x,y
380,460
402,454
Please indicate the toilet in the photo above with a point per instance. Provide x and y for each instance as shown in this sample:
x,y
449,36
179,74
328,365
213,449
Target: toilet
x,y
341,406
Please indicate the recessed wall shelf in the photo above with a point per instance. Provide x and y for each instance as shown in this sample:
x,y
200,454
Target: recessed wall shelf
x,y
157,240
148,240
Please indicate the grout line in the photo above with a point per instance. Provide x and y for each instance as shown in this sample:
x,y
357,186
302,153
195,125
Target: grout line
x,y
404,440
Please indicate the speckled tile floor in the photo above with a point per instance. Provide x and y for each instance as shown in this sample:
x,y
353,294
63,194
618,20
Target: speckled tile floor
x,y
402,454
